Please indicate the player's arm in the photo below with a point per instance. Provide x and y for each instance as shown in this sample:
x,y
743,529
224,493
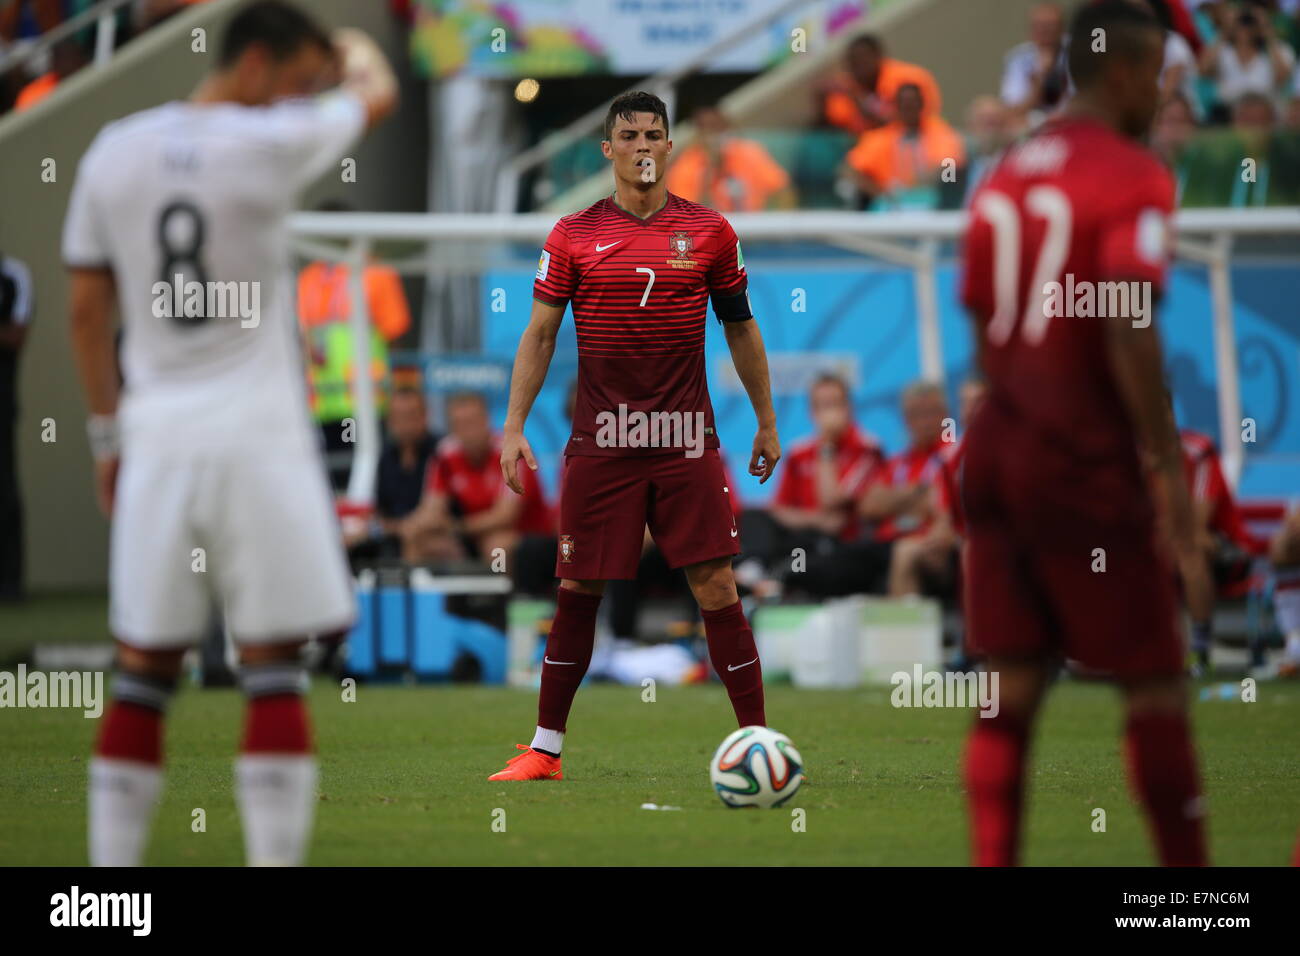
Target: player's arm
x,y
91,299
366,73
532,360
1137,363
746,344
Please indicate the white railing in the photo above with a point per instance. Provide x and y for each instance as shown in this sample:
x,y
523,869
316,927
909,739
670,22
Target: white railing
x,y
909,239
102,14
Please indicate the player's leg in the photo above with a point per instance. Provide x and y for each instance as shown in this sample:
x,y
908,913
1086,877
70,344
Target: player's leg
x,y
1162,767
691,519
602,520
158,606
277,559
275,772
126,769
995,760
732,648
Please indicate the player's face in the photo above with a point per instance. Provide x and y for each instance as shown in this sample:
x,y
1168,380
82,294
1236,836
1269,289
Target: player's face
x,y
830,409
635,143
1139,86
924,414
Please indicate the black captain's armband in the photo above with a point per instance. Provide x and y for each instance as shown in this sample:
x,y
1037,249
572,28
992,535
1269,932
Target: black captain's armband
x,y
733,308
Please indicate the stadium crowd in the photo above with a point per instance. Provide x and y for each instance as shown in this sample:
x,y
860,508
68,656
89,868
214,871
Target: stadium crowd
x,y
23,22
1230,84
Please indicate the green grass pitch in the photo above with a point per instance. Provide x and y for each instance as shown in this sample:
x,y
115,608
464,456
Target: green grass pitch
x,y
403,781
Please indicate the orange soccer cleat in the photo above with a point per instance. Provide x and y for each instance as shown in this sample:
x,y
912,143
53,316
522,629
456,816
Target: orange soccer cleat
x,y
530,765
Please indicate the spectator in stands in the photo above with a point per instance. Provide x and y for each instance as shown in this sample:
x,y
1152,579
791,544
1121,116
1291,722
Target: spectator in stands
x,y
1034,74
1174,128
66,57
902,164
325,314
728,172
990,128
1292,119
898,501
15,317
927,563
399,481
862,95
824,475
467,510
1247,57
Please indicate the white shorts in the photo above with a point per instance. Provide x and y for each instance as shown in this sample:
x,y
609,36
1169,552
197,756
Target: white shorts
x,y
253,534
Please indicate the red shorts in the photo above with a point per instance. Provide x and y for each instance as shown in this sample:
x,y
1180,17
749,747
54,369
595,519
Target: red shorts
x,y
1031,590
606,503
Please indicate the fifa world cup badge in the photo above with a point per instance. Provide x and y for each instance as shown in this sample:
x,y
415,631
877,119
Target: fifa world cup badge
x,y
680,244
566,548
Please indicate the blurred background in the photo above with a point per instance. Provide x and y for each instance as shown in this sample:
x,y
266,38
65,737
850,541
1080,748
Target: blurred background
x,y
842,137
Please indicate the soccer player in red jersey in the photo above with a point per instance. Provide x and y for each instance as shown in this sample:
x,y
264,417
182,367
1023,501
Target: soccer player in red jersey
x,y
1068,553
640,268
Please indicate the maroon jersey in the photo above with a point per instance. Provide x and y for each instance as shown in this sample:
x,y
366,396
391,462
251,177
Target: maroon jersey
x,y
640,290
1065,219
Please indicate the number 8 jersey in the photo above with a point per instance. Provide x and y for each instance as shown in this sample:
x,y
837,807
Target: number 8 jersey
x,y
186,203
1070,231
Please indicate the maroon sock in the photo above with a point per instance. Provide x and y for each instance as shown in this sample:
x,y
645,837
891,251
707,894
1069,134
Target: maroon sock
x,y
1162,767
735,657
995,786
568,653
131,731
277,724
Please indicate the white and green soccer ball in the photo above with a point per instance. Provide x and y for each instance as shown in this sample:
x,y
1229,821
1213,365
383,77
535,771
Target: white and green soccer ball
x,y
756,767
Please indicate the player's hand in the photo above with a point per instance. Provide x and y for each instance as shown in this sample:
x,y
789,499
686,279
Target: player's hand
x,y
766,453
106,484
513,447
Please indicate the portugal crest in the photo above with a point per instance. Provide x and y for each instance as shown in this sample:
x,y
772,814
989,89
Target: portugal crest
x,y
680,244
566,548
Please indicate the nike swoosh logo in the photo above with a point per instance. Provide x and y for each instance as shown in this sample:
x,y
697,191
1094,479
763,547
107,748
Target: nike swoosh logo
x,y
549,661
610,245
736,667
734,532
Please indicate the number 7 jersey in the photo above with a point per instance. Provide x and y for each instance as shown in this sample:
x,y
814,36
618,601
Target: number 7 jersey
x,y
640,290
1069,232
186,204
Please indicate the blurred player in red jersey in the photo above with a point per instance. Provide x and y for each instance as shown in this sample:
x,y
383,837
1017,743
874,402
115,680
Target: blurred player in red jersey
x,y
1064,553
640,268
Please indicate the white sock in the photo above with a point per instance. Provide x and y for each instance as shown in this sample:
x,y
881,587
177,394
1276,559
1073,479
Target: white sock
x,y
123,796
551,741
276,794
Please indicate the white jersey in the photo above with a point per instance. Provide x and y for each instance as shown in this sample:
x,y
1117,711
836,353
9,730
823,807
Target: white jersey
x,y
186,203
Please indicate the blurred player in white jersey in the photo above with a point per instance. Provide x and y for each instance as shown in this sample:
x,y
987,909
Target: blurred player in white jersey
x,y
177,214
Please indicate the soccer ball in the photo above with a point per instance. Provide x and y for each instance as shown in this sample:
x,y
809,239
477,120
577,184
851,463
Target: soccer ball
x,y
756,767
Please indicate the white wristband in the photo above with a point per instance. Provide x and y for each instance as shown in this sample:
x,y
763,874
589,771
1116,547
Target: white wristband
x,y
104,437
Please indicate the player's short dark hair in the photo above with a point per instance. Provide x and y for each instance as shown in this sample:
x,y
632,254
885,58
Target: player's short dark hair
x,y
1126,29
870,41
280,27
639,101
